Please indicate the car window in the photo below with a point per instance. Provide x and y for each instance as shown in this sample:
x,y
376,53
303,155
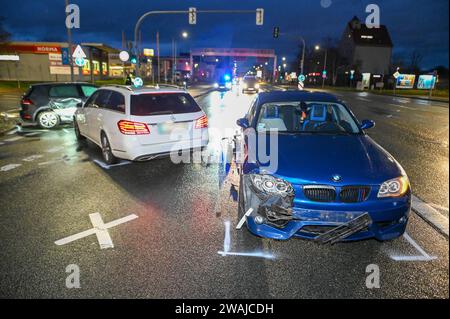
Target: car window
x,y
91,100
163,103
251,112
61,91
116,102
88,90
102,99
309,117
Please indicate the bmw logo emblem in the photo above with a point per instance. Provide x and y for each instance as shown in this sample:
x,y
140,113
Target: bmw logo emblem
x,y
336,178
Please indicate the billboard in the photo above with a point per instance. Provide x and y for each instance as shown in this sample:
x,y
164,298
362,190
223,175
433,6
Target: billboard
x,y
426,82
405,81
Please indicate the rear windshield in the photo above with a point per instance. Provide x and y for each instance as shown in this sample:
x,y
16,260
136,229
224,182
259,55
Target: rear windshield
x,y
162,103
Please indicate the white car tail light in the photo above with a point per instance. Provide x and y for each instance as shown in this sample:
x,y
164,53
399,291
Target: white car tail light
x,y
133,128
201,122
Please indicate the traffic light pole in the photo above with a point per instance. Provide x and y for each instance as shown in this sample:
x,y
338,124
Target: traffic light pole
x,y
145,15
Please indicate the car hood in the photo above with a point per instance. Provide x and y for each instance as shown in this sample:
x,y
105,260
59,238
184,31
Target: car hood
x,y
357,159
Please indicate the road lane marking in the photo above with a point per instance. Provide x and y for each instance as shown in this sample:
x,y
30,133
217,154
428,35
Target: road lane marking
x,y
106,166
430,215
12,132
13,139
100,229
9,167
424,256
363,99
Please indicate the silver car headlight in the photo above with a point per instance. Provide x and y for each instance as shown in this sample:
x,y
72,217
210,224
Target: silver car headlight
x,y
270,185
395,187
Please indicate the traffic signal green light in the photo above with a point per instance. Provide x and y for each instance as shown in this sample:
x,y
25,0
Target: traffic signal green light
x,y
133,59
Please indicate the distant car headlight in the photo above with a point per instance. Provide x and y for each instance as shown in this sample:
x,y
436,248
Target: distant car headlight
x,y
256,86
228,85
394,187
216,85
245,85
270,185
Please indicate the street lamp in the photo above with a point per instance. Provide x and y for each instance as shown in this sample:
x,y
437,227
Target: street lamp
x,y
284,58
324,73
184,34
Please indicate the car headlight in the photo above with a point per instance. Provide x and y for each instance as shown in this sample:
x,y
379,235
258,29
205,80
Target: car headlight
x,y
244,85
256,86
216,85
394,187
270,185
228,85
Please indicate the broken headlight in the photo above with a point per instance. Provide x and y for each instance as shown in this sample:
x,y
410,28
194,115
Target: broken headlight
x,y
270,185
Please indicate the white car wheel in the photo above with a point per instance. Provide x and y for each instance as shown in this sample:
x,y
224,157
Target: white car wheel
x,y
48,119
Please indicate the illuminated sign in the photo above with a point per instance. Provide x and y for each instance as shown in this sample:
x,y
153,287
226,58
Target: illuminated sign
x,y
405,81
426,82
149,52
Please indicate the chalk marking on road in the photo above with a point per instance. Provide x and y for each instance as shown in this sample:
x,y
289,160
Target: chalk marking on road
x,y
31,158
106,166
363,99
244,218
9,167
100,229
32,134
430,215
424,256
227,247
13,139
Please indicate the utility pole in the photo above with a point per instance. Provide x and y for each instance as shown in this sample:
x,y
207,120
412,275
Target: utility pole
x,y
158,57
324,74
302,64
69,42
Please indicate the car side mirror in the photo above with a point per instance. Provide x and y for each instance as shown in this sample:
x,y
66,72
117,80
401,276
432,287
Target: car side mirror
x,y
367,124
80,104
243,122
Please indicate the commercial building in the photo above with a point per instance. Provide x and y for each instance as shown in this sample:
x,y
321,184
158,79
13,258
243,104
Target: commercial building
x,y
48,61
366,50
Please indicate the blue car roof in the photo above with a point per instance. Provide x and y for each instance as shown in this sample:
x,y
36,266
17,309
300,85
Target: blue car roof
x,y
281,96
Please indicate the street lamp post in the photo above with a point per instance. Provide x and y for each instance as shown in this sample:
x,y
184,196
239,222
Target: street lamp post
x,y
184,35
324,73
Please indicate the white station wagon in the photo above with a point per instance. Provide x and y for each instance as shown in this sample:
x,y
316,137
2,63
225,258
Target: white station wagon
x,y
141,124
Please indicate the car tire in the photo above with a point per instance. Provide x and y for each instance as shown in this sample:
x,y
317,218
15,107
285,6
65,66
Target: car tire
x,y
77,131
48,119
107,154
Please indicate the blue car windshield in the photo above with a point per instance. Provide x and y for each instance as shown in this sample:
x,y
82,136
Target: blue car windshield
x,y
306,117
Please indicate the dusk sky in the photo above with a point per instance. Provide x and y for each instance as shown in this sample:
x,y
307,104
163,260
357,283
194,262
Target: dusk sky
x,y
413,24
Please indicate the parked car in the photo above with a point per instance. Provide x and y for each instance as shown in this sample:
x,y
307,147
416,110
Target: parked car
x,y
331,182
49,104
250,84
140,124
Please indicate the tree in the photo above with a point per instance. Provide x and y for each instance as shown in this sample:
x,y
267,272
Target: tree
x,y
415,61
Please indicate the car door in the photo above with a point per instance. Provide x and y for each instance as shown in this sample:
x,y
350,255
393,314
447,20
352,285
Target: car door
x,y
109,115
84,114
63,100
96,114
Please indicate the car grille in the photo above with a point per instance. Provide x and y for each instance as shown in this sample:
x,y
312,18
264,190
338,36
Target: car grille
x,y
328,194
324,194
354,194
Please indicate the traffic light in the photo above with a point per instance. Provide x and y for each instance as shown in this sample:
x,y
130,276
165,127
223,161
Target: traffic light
x,y
192,15
133,59
276,32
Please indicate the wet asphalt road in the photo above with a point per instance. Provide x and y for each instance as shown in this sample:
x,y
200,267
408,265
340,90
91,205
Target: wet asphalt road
x,y
171,249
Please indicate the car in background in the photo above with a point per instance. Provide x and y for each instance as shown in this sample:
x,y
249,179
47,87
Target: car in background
x,y
250,84
330,181
140,124
49,104
224,83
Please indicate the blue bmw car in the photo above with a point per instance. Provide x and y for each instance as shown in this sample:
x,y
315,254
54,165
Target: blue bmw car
x,y
327,180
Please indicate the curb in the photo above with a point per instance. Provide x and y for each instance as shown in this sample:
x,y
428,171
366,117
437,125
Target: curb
x,y
430,215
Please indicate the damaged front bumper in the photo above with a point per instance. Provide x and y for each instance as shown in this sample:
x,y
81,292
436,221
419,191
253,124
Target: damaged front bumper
x,y
281,218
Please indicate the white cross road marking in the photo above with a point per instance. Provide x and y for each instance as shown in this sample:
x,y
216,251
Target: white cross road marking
x,y
12,132
100,229
32,134
106,166
9,167
32,158
13,139
423,254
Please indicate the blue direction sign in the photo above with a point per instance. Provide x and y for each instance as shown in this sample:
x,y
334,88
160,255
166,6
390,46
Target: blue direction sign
x,y
65,56
138,82
301,78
